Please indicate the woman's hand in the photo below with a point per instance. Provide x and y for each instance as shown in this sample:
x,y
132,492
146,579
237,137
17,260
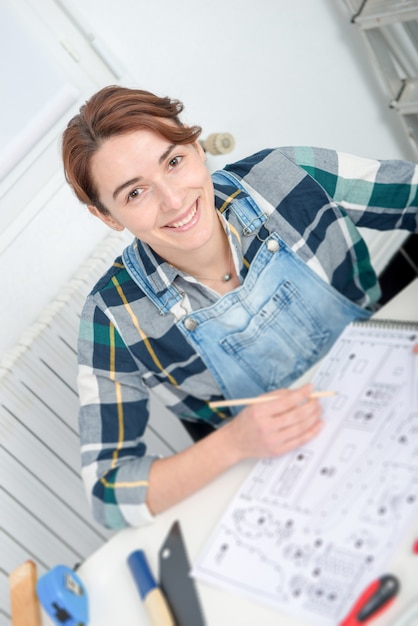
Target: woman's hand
x,y
262,430
259,430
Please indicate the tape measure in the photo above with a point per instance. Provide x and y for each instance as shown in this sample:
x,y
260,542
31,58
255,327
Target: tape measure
x,y
63,596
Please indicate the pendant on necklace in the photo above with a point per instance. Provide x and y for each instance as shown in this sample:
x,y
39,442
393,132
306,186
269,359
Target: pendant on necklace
x,y
226,277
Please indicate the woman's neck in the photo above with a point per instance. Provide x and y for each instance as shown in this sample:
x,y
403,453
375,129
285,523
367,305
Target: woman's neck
x,y
212,264
220,275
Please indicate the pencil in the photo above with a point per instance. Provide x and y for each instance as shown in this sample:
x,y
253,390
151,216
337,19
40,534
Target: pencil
x,y
219,404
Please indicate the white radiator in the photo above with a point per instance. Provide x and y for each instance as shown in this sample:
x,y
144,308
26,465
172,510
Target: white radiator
x,y
43,507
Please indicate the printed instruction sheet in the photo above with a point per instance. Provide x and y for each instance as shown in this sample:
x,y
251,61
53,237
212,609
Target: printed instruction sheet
x,y
307,531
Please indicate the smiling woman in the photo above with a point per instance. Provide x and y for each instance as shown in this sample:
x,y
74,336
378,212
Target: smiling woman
x,y
113,112
131,160
235,284
163,194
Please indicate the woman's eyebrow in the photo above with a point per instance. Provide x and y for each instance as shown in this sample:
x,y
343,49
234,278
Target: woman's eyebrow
x,y
132,181
166,153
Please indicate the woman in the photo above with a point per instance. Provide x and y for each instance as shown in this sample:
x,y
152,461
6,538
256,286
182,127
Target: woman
x,y
234,286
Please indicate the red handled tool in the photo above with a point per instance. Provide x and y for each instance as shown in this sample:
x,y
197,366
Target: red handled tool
x,y
373,601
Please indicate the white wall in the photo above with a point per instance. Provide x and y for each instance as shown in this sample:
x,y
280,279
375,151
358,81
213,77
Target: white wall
x,y
271,72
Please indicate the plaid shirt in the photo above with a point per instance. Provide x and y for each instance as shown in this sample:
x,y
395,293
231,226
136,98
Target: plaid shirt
x,y
315,199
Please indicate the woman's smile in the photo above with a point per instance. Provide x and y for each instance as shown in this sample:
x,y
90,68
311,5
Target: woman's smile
x,y
186,221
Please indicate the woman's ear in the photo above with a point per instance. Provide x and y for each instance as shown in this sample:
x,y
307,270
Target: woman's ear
x,y
106,218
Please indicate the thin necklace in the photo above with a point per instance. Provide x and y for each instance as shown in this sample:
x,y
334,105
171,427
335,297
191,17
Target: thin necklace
x,y
225,277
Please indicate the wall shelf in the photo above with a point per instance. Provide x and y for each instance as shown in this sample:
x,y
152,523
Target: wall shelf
x,y
390,31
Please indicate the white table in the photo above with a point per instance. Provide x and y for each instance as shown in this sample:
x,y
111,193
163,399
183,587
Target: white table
x,y
114,599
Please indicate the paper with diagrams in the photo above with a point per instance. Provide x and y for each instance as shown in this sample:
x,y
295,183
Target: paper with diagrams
x,y
306,532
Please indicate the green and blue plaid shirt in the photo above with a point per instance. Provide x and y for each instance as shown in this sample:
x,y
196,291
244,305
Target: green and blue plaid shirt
x,y
315,199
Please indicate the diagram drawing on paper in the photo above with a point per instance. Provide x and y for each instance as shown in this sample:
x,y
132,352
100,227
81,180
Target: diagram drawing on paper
x,y
307,531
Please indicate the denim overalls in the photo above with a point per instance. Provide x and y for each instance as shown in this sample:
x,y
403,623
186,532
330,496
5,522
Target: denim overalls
x,y
268,331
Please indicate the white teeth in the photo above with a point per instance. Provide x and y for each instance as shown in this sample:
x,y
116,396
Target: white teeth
x,y
185,221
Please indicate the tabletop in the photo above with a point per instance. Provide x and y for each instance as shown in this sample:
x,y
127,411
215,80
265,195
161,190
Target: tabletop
x,y
113,596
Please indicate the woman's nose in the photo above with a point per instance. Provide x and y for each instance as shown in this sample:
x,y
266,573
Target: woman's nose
x,y
171,196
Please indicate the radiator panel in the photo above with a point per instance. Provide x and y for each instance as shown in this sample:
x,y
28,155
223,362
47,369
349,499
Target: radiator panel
x,y
44,513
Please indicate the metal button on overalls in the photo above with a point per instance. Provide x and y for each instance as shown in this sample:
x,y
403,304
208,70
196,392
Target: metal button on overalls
x,y
190,323
272,245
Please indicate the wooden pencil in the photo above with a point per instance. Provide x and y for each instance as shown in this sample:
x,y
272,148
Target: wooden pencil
x,y
219,404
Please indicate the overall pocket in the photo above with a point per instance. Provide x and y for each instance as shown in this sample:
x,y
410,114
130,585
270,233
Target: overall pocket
x,y
281,341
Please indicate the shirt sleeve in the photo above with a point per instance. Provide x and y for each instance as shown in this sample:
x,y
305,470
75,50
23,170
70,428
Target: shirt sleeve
x,y
382,195
113,418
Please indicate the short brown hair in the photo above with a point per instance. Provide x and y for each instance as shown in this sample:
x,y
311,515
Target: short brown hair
x,y
116,110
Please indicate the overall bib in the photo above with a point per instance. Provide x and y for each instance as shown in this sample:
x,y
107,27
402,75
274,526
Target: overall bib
x,y
270,330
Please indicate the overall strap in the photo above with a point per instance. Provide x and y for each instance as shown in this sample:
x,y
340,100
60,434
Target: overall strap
x,y
165,300
247,211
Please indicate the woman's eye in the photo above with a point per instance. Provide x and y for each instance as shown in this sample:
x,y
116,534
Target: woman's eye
x,y
174,161
135,193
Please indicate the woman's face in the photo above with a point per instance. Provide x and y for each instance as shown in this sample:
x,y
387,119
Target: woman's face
x,y
162,193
